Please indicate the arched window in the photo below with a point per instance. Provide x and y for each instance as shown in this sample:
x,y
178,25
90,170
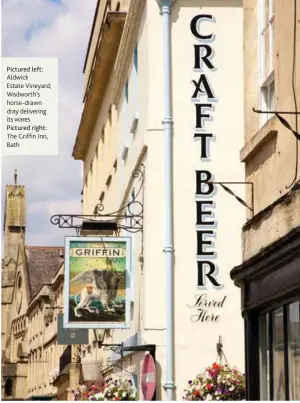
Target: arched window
x,y
8,387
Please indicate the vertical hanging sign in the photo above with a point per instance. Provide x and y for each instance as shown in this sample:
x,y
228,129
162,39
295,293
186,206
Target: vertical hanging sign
x,y
203,97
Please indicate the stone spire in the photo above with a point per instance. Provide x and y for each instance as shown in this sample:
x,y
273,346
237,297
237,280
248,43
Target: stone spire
x,y
16,177
14,239
15,214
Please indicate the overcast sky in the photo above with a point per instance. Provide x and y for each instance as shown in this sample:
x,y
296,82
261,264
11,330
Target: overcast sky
x,y
50,28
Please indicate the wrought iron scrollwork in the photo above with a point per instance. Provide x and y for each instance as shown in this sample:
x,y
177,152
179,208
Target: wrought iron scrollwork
x,y
128,217
116,348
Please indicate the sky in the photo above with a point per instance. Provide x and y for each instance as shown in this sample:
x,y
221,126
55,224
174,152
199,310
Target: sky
x,y
50,28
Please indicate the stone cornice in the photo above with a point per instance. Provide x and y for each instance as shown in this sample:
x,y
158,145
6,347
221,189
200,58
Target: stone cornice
x,y
58,278
58,281
127,45
272,275
91,36
103,65
41,295
283,200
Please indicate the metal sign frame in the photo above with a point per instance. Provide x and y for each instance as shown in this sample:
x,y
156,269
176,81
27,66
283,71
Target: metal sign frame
x,y
97,325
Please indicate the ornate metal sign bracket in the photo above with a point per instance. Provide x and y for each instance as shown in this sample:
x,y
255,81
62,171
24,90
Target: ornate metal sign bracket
x,y
128,217
116,348
120,348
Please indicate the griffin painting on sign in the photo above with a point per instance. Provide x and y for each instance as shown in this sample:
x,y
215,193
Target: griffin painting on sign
x,y
97,282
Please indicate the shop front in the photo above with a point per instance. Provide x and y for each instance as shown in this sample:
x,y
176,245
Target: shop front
x,y
270,287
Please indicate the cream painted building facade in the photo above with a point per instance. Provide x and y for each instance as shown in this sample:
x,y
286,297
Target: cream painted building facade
x,y
121,131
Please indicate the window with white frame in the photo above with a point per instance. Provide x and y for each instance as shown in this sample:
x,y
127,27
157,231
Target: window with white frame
x,y
125,121
126,91
135,58
266,48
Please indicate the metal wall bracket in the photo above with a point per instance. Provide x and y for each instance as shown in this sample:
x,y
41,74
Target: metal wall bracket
x,y
282,120
116,348
120,348
228,190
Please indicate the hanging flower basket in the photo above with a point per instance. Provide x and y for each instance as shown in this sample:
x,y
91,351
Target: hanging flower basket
x,y
113,389
217,382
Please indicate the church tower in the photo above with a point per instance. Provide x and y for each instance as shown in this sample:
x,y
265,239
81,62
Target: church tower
x,y
14,238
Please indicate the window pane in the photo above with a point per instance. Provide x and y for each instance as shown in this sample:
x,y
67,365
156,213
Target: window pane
x,y
271,97
134,380
135,58
271,47
264,354
278,356
294,350
126,91
267,54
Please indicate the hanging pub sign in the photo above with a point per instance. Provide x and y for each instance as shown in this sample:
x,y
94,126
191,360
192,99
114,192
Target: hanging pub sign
x,y
97,282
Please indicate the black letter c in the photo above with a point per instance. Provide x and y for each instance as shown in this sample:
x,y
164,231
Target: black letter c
x,y
194,23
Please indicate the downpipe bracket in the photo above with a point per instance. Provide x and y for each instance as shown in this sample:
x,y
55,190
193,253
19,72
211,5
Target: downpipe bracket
x,y
169,385
165,6
168,249
167,120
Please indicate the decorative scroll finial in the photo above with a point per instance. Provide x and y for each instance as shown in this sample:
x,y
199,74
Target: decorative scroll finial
x,y
220,351
16,177
219,347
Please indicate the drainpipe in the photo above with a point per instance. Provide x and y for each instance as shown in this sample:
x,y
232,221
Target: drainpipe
x,y
169,385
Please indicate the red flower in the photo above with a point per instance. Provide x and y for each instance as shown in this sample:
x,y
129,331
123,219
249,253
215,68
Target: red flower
x,y
196,393
117,398
216,366
210,386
